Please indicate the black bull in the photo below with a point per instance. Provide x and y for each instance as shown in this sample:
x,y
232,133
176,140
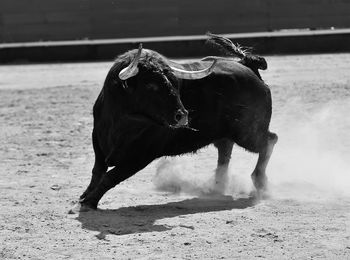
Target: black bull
x,y
140,117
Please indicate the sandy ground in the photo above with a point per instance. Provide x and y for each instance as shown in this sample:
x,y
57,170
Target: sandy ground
x,y
163,212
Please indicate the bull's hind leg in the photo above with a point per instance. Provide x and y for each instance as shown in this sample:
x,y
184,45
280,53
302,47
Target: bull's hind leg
x,y
259,174
224,147
99,168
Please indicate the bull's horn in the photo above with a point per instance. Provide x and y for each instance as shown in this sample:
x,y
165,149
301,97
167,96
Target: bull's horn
x,y
173,64
199,74
132,69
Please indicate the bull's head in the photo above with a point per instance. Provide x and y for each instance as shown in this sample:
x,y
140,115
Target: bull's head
x,y
154,88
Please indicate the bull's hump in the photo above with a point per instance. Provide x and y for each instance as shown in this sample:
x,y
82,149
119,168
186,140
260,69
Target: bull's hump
x,y
224,67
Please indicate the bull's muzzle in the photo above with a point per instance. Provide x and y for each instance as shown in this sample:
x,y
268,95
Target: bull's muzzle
x,y
181,118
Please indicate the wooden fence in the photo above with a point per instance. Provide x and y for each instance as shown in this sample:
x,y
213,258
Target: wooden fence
x,y
35,20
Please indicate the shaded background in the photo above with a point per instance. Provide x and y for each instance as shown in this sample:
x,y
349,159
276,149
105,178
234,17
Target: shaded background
x,y
90,30
42,20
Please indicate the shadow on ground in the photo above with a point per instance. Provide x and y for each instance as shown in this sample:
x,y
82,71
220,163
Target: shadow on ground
x,y
140,219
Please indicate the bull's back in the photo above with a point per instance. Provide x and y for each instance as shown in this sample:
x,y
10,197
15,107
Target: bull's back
x,y
232,102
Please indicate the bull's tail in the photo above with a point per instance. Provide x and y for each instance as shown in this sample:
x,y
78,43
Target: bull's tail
x,y
227,46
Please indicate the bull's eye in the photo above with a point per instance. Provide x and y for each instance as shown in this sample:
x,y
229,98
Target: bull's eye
x,y
152,86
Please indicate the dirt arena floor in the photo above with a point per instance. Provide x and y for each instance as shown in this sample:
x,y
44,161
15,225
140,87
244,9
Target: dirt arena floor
x,y
166,210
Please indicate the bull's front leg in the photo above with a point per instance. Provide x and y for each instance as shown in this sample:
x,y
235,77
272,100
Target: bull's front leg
x,y
97,175
99,169
142,144
259,174
112,178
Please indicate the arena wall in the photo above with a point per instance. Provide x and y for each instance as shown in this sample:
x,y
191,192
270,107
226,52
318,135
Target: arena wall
x,y
52,20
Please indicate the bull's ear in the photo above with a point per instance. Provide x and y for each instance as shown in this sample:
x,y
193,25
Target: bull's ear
x,y
128,86
132,69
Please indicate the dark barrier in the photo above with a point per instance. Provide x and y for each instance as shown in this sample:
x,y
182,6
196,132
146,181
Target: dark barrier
x,y
320,41
47,20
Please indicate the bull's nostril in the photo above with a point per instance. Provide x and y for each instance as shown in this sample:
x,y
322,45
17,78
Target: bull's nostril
x,y
181,117
178,116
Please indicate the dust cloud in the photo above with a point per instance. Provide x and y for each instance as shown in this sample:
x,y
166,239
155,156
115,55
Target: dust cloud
x,y
312,158
310,161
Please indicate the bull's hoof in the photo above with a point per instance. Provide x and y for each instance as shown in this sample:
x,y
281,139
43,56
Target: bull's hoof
x,y
81,207
261,186
218,188
85,193
260,194
82,197
259,181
